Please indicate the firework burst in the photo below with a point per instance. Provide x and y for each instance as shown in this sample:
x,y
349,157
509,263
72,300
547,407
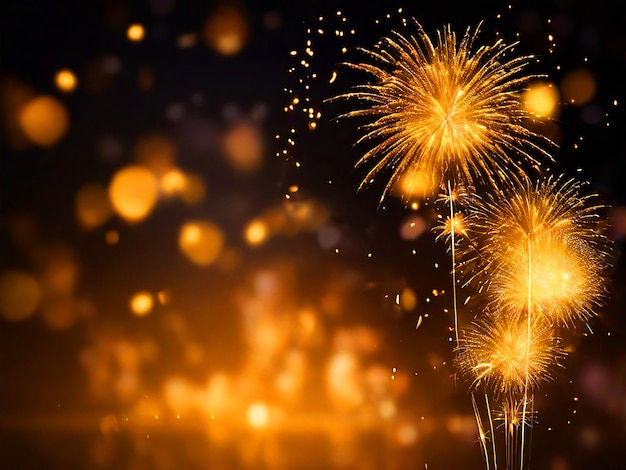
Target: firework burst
x,y
445,109
540,248
498,352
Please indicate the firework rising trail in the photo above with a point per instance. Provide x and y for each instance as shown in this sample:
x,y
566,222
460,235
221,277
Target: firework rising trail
x,y
445,109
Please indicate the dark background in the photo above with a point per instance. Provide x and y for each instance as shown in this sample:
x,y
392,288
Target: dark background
x,y
50,414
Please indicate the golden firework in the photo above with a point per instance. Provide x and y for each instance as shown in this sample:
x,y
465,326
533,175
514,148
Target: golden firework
x,y
500,353
445,109
540,248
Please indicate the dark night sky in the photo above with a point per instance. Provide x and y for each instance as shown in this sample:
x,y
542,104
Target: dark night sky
x,y
40,369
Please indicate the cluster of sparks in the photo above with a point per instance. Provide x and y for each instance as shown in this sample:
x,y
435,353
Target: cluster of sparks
x,y
533,251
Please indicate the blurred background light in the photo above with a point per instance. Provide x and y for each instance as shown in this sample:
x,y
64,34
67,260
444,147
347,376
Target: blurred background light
x,y
65,80
141,303
19,295
92,205
226,29
542,99
201,242
44,120
256,232
578,87
135,32
243,145
133,192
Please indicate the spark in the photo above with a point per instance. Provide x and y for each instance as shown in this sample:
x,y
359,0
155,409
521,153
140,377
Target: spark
x,y
446,109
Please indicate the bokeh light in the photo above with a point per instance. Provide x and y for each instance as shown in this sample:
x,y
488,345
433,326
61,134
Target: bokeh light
x,y
256,232
243,145
92,205
44,120
258,415
173,182
413,227
194,190
415,185
541,99
578,87
19,295
408,299
65,80
14,95
201,242
133,192
141,303
135,32
226,30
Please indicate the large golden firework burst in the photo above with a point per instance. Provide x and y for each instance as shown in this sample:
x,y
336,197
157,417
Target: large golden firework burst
x,y
540,247
501,353
446,110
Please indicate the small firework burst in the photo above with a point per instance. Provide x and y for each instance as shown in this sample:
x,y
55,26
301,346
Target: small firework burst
x,y
445,109
500,352
540,247
514,412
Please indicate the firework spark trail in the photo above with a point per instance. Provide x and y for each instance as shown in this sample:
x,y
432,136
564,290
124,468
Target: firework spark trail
x,y
446,109
453,256
481,431
528,317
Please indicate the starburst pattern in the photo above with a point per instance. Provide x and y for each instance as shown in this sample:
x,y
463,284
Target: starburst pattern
x,y
445,109
500,353
540,243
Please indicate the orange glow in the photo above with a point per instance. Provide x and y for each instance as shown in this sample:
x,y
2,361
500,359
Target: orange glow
x,y
407,434
201,242
133,192
13,96
92,206
44,120
65,80
343,381
256,232
308,320
578,87
112,237
541,99
173,182
135,32
178,394
141,303
226,30
415,184
413,227
19,295
258,415
243,145
408,299
58,270
164,297
61,312
109,424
